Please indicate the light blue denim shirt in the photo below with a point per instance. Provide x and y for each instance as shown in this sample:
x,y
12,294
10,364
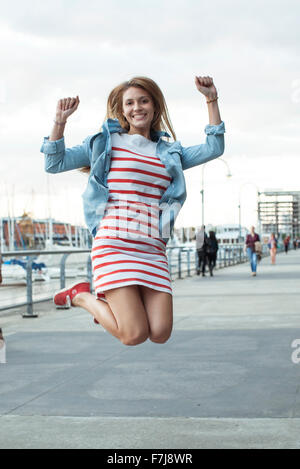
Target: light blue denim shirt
x,y
95,151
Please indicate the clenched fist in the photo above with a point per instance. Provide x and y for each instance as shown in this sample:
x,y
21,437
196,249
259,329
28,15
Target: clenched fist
x,y
65,107
206,86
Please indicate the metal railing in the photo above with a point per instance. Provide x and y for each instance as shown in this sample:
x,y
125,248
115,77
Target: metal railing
x,y
31,256
185,262
182,260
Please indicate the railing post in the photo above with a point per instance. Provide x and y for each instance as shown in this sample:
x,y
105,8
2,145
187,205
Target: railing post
x,y
179,263
89,272
189,263
63,270
170,261
29,313
196,261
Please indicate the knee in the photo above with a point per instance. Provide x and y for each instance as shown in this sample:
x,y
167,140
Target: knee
x,y
134,338
160,338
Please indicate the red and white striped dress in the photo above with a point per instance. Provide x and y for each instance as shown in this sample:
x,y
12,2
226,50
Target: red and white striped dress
x,y
127,249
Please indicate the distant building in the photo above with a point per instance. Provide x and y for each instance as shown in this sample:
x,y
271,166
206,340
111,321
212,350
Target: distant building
x,y
225,234
231,233
184,234
279,212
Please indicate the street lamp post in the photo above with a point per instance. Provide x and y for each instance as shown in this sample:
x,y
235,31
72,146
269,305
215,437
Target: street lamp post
x,y
202,190
240,209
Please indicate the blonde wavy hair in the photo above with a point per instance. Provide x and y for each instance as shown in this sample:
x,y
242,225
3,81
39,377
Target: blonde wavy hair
x,y
114,110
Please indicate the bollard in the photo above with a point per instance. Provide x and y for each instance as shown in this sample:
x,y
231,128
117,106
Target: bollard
x,y
30,313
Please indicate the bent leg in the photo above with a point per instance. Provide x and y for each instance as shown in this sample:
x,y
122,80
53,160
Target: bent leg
x,y
129,311
159,310
123,316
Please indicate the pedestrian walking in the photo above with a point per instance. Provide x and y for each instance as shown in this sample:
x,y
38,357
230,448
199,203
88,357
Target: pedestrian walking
x,y
212,251
135,190
272,245
286,243
1,261
201,245
2,348
250,247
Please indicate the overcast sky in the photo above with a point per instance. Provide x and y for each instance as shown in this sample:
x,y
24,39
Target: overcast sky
x,y
56,49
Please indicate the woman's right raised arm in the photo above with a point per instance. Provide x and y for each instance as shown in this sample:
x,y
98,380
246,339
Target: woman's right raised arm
x,y
57,157
57,131
65,107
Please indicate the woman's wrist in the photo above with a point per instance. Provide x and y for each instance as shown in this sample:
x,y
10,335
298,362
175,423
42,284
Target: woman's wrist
x,y
58,129
60,122
213,108
211,99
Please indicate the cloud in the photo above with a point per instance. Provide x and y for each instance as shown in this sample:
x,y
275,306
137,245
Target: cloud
x,y
64,48
177,22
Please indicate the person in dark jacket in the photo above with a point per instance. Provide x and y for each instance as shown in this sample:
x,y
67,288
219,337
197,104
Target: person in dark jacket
x,y
272,245
251,239
286,243
201,245
211,251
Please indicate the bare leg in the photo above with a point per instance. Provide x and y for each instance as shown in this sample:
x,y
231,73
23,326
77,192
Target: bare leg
x,y
99,310
159,308
124,316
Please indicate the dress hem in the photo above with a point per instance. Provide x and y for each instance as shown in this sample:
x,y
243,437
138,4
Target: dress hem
x,y
126,284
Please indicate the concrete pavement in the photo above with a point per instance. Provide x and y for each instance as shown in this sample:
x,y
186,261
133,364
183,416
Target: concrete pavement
x,y
225,379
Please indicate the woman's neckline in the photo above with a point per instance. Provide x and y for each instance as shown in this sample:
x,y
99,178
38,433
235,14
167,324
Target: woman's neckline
x,y
138,135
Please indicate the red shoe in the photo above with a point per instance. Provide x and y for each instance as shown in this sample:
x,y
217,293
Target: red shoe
x,y
63,298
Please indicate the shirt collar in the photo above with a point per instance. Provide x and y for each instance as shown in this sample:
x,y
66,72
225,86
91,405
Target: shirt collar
x,y
114,126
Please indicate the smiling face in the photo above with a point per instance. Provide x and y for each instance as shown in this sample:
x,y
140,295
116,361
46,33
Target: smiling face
x,y
138,109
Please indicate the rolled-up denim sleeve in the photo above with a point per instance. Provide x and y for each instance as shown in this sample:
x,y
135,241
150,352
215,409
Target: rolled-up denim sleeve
x,y
211,149
59,159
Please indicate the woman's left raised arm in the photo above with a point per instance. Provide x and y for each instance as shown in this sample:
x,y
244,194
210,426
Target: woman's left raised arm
x,y
214,145
206,86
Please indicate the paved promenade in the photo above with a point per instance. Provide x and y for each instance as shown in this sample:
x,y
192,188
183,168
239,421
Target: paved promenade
x,y
225,379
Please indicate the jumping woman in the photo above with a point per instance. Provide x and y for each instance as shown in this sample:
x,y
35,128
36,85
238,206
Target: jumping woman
x,y
135,190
